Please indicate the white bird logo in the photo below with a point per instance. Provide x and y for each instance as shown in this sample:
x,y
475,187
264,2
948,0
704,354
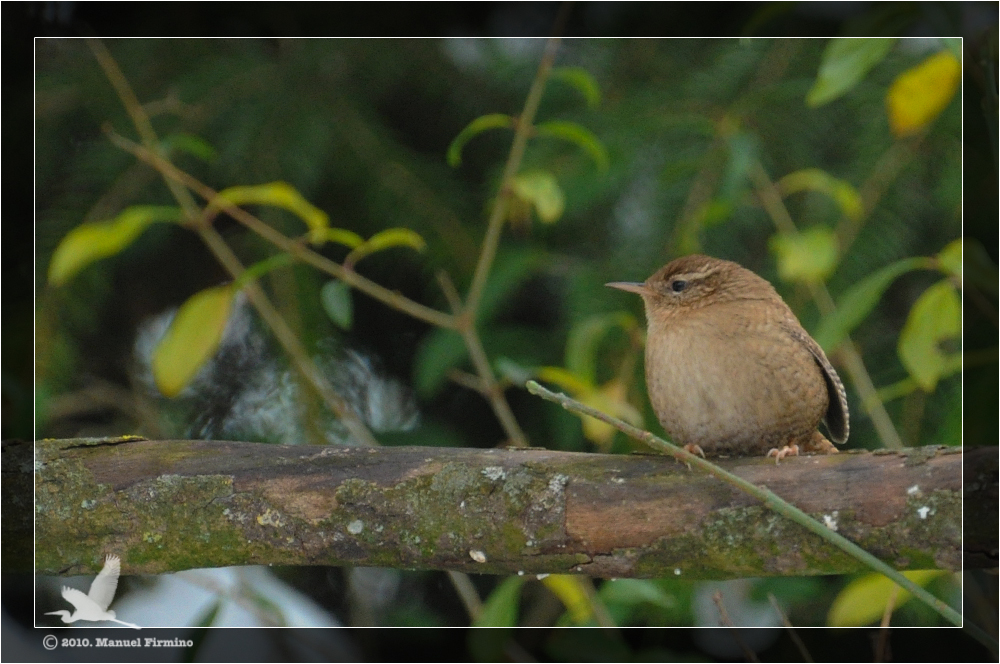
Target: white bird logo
x,y
94,606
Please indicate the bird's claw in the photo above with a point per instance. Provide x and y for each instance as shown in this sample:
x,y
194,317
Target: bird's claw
x,y
691,448
787,450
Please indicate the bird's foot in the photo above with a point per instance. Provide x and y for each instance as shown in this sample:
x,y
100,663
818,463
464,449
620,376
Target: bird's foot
x,y
691,448
695,449
787,450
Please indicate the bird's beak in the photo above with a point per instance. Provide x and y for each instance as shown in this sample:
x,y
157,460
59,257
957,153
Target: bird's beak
x,y
630,286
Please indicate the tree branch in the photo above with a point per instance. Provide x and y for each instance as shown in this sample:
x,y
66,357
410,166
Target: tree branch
x,y
170,505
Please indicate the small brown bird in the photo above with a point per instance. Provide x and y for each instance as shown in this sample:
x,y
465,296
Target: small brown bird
x,y
729,368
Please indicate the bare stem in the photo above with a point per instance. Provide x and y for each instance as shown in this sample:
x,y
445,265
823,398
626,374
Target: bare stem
x,y
770,500
296,249
465,318
726,622
467,593
139,118
792,634
287,338
499,212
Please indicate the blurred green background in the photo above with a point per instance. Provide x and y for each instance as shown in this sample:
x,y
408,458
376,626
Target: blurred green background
x,y
360,127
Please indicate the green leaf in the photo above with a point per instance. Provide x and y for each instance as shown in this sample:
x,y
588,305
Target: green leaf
x,y
949,259
842,192
859,300
713,212
260,268
501,607
579,135
935,318
474,128
863,600
809,257
191,144
440,351
579,78
342,236
390,237
192,338
93,241
585,339
540,189
845,62
622,596
336,299
278,194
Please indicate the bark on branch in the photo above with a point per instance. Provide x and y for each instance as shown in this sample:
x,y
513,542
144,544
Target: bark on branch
x,y
165,506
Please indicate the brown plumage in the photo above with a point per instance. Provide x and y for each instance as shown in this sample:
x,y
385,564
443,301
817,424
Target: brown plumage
x,y
728,366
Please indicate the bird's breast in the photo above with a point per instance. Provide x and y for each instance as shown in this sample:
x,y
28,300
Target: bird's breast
x,y
731,384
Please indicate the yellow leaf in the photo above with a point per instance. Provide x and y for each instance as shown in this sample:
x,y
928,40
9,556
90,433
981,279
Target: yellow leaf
x,y
919,94
540,189
570,591
610,399
863,600
192,338
278,194
390,237
342,236
96,240
564,379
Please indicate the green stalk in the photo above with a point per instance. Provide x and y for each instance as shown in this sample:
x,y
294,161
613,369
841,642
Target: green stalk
x,y
772,501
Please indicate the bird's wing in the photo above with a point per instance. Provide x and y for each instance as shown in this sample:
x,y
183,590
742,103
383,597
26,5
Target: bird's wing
x,y
837,418
75,597
102,591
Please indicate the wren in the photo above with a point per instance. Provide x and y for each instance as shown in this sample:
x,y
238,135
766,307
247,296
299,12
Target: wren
x,y
729,368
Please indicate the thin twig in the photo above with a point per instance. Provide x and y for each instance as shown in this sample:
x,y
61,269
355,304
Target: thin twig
x,y
493,391
726,622
883,632
296,249
775,207
770,500
139,118
886,169
467,593
287,338
499,212
284,334
792,634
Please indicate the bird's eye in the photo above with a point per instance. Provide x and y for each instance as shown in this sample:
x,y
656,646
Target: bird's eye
x,y
677,285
